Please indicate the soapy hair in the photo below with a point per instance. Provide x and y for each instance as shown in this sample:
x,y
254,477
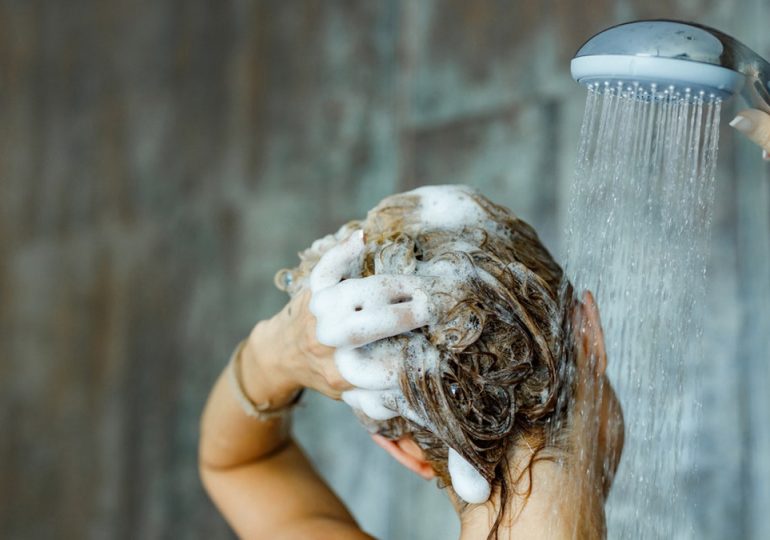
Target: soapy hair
x,y
504,367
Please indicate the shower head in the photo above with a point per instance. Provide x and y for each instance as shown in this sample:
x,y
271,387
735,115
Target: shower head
x,y
659,54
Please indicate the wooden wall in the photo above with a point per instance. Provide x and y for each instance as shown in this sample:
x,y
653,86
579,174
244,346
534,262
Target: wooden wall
x,y
160,160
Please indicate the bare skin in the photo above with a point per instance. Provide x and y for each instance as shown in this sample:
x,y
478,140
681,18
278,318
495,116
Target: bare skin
x,y
755,125
266,488
247,464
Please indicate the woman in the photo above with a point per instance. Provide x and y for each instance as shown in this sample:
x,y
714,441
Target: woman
x,y
532,419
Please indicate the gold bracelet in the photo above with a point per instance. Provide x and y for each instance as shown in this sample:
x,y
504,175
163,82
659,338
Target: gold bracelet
x,y
260,411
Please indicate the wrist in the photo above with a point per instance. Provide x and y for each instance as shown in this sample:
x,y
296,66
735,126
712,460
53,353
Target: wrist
x,y
267,376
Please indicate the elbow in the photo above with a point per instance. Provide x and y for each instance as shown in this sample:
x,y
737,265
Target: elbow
x,y
206,470
211,474
209,467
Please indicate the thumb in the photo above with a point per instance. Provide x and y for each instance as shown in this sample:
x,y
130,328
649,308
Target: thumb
x,y
755,125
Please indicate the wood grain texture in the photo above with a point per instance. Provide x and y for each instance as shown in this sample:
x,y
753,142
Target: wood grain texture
x,y
159,161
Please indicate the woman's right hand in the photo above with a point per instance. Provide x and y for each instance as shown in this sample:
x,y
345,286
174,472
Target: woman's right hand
x,y
340,310
755,124
295,358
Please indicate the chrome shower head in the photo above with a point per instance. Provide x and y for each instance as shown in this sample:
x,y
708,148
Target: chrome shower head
x,y
659,54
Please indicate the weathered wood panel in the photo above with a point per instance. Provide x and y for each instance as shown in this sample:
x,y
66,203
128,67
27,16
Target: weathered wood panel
x,y
160,160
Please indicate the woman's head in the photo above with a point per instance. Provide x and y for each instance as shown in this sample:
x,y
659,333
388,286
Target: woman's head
x,y
500,341
506,359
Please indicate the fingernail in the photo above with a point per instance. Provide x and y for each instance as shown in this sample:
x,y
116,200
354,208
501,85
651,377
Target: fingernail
x,y
765,155
742,124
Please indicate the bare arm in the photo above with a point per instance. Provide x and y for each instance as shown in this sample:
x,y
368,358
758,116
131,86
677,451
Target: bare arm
x,y
256,475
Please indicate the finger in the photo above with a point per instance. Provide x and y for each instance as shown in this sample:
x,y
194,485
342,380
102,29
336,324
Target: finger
x,y
377,365
360,328
384,405
755,125
369,293
372,367
341,261
373,403
334,379
394,289
410,414
360,311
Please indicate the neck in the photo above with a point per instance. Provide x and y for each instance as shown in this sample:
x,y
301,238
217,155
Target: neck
x,y
559,506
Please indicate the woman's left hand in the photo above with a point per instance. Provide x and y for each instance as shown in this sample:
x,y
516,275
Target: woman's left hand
x,y
755,124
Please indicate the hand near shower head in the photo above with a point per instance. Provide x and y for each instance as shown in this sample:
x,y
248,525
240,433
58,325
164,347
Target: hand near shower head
x,y
755,124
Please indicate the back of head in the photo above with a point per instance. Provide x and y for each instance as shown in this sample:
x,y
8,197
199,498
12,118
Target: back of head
x,y
501,375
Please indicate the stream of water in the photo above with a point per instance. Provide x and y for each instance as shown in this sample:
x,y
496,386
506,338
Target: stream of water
x,y
638,229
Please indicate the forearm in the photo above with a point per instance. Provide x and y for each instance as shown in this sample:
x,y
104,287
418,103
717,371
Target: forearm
x,y
261,482
228,437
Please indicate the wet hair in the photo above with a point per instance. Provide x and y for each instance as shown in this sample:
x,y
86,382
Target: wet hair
x,y
505,363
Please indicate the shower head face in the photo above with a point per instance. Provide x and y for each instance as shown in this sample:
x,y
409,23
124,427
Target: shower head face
x,y
657,76
661,54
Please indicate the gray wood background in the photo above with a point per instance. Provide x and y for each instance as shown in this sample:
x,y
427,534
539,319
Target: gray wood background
x,y
159,160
